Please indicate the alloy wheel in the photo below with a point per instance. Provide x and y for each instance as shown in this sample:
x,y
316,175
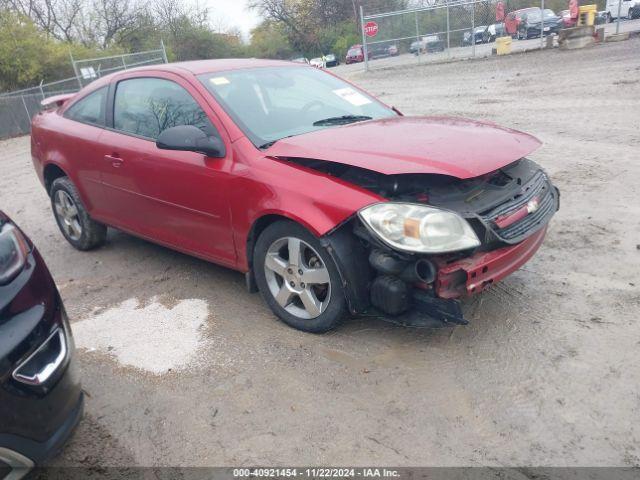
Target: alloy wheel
x,y
297,277
67,213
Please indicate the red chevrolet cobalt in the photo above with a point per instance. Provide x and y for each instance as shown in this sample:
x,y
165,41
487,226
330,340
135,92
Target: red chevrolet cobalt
x,y
331,202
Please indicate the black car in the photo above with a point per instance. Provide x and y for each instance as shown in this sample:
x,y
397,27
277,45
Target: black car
x,y
41,400
532,25
480,35
381,50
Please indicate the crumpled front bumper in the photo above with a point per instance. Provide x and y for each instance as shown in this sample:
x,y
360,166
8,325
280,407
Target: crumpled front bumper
x,y
473,274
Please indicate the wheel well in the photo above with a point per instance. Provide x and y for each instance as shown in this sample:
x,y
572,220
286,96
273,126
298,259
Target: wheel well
x,y
51,172
256,229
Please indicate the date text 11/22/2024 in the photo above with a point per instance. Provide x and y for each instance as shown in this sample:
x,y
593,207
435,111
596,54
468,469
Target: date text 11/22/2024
x,y
316,472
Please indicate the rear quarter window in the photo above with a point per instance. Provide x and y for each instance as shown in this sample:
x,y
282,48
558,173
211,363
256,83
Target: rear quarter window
x,y
89,109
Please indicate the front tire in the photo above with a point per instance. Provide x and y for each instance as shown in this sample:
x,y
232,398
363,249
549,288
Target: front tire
x,y
74,222
298,278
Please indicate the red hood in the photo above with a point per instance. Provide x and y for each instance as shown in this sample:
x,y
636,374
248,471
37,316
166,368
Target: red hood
x,y
448,146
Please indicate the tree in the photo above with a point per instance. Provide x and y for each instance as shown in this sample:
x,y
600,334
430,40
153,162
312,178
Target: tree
x,y
57,18
268,40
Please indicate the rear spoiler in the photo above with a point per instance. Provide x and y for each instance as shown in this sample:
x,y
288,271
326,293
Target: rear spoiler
x,y
56,101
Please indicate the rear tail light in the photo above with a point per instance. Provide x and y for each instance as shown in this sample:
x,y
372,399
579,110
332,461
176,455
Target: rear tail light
x,y
13,253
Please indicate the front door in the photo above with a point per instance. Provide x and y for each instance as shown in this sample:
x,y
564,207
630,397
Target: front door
x,y
176,198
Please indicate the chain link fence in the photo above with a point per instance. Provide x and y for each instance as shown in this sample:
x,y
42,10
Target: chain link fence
x,y
17,108
438,30
442,30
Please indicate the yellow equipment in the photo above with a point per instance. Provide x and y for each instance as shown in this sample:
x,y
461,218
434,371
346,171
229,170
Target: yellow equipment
x,y
503,45
587,15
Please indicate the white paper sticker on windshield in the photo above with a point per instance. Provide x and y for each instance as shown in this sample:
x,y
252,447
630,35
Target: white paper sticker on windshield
x,y
351,96
219,81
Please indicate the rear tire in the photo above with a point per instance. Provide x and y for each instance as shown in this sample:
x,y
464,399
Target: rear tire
x,y
80,230
283,250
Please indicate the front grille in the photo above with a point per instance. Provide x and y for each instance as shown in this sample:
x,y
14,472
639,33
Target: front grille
x,y
539,187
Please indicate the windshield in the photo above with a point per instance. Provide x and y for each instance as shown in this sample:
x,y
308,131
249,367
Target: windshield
x,y
276,102
354,52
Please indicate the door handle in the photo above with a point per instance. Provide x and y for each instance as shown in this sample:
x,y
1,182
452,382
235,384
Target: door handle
x,y
116,161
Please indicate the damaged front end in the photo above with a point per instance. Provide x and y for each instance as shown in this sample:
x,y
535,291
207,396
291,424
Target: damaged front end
x,y
507,209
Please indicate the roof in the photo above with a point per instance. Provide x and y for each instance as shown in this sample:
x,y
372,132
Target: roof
x,y
198,67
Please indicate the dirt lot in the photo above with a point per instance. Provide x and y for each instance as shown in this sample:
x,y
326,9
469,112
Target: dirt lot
x,y
183,367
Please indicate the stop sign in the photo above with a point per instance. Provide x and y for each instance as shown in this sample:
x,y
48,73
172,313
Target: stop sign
x,y
371,29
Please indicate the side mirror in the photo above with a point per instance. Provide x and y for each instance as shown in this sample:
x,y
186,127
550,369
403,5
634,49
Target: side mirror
x,y
190,139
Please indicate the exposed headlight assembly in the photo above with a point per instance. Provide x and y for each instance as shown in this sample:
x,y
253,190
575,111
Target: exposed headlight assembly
x,y
419,228
13,253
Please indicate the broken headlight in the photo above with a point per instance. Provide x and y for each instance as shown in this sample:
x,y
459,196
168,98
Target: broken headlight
x,y
419,228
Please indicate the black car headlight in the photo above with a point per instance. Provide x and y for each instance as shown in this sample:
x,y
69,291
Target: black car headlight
x,y
419,228
13,253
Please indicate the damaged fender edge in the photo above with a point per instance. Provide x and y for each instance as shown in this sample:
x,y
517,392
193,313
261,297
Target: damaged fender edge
x,y
352,260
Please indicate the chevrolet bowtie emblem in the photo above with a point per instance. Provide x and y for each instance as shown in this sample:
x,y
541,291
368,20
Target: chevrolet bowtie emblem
x,y
533,205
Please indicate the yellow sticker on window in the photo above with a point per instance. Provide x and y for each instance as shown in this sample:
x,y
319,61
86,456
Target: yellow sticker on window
x,y
219,81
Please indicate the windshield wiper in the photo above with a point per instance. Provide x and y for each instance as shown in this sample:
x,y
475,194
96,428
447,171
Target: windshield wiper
x,y
342,120
267,145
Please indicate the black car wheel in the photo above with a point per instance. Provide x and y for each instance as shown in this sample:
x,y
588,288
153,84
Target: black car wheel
x,y
76,225
298,278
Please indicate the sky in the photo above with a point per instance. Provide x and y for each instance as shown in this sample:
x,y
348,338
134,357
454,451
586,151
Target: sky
x,y
232,13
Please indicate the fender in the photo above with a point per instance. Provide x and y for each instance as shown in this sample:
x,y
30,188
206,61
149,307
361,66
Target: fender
x,y
270,188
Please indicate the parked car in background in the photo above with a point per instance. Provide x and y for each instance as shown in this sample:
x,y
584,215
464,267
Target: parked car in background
x,y
494,31
317,62
41,401
355,54
417,47
601,17
628,9
241,162
300,60
433,43
381,50
535,23
427,44
513,19
331,60
377,50
480,35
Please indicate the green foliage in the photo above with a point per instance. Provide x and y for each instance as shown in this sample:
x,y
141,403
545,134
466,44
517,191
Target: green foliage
x,y
23,49
268,40
195,43
28,56
337,39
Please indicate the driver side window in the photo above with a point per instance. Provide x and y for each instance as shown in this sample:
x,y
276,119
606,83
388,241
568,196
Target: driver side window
x,y
148,106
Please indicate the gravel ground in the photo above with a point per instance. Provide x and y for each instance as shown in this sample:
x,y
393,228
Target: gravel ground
x,y
545,374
